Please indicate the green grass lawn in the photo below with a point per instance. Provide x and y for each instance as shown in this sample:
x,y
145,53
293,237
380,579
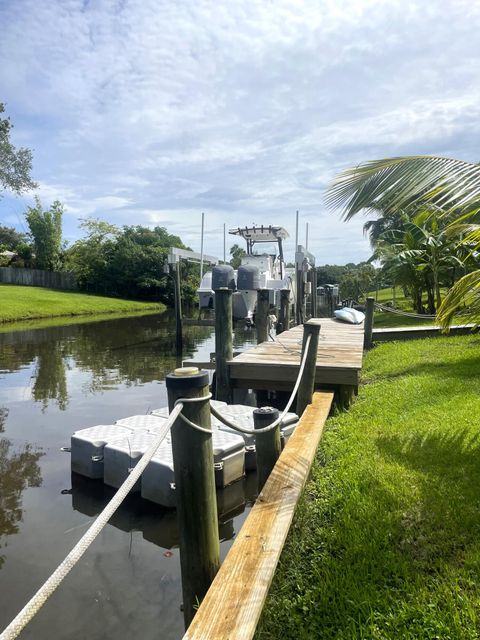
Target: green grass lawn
x,y
389,319
386,540
24,303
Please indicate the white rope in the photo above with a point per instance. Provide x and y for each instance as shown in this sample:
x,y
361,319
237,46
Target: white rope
x,y
279,420
405,313
189,422
46,590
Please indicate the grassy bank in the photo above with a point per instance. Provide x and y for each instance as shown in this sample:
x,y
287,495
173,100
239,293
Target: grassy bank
x,y
26,303
386,541
390,319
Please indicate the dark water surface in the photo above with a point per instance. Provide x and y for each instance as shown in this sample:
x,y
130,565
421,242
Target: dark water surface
x,y
52,382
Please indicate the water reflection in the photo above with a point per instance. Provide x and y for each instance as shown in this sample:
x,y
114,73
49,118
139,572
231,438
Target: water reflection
x,y
50,381
158,525
53,381
130,351
18,470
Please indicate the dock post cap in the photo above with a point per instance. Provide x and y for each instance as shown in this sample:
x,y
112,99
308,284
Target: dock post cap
x,y
186,371
264,416
185,378
262,410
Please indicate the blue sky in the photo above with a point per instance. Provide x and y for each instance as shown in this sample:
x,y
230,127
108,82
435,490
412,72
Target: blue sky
x,y
151,112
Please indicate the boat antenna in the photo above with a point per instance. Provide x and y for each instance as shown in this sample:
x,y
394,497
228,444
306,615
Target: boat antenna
x,y
296,233
201,246
224,244
306,237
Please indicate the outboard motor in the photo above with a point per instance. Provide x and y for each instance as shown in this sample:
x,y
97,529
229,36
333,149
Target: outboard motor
x,y
248,278
223,277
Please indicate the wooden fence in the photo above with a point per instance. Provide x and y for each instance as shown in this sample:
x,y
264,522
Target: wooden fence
x,y
38,278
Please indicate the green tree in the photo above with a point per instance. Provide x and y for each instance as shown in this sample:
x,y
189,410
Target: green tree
x,y
24,255
357,281
89,257
10,238
46,230
136,267
15,164
420,255
452,186
129,262
237,254
332,273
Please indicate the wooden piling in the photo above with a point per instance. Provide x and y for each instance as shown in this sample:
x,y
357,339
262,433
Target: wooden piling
x,y
344,397
313,299
369,310
268,444
223,343
305,391
284,315
178,307
195,488
262,313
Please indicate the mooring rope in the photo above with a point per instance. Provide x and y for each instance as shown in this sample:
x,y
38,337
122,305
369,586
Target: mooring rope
x,y
405,313
229,423
46,590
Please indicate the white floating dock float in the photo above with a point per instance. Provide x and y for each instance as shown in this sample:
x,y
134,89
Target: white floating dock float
x,y
87,448
122,455
109,452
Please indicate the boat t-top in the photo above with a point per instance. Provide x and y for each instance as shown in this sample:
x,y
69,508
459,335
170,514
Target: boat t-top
x,y
258,270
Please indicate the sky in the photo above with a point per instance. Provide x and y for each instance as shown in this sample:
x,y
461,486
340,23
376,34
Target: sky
x,y
152,112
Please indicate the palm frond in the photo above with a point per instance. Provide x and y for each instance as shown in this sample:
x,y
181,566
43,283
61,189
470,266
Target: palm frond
x,y
462,300
395,183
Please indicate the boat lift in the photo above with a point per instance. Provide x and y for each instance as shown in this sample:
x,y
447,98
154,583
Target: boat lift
x,y
173,268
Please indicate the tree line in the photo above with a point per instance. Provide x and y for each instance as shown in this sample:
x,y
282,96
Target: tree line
x,y
424,228
126,261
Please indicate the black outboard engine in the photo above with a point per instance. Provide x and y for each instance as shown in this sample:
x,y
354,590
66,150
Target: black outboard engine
x,y
248,278
223,277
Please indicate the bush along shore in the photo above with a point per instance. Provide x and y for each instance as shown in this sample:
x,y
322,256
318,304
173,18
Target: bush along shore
x,y
386,540
24,303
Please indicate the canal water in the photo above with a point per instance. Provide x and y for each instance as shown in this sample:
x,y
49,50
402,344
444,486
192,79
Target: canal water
x,y
54,381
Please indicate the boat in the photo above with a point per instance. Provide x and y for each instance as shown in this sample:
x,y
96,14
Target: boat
x,y
347,314
258,269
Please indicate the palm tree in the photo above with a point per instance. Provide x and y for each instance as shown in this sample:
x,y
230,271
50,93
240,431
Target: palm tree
x,y
406,183
420,253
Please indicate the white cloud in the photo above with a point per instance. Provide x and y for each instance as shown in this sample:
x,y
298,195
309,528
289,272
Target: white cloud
x,y
152,112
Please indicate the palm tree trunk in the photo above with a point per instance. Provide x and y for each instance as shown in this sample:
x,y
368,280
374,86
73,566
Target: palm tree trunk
x,y
438,295
417,300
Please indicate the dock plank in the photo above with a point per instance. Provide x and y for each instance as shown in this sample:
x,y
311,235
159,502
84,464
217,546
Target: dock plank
x,y
232,607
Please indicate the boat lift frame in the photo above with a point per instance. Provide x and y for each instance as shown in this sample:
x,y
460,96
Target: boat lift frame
x,y
173,268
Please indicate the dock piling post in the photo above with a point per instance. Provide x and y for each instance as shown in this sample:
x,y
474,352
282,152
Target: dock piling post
x,y
268,444
369,309
223,343
195,488
314,305
307,384
261,316
178,307
284,316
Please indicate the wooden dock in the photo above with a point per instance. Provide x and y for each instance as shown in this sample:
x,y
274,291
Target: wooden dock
x,y
273,365
233,604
